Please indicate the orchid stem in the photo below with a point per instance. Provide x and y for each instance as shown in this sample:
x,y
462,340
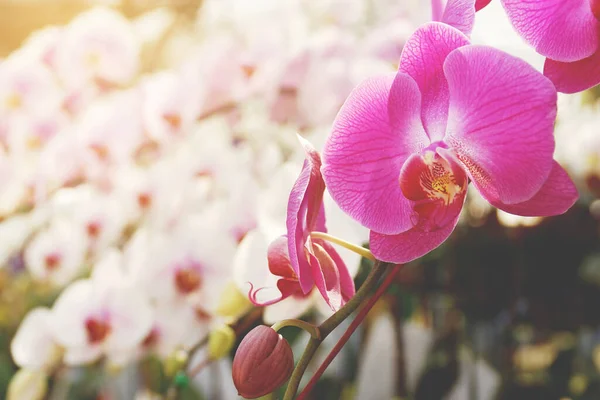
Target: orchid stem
x,y
310,328
379,269
352,247
355,324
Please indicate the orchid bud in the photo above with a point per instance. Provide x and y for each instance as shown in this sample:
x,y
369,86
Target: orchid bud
x,y
220,342
263,362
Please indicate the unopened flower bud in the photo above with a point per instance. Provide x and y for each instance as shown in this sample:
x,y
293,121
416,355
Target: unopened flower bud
x,y
263,362
220,341
28,384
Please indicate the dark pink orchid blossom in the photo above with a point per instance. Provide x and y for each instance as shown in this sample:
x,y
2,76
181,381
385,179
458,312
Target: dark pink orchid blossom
x,y
404,147
302,262
567,32
457,13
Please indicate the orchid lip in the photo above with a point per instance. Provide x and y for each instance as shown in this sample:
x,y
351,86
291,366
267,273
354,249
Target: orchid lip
x,y
436,184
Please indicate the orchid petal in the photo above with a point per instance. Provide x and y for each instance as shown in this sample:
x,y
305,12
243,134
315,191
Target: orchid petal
x,y
555,197
346,281
131,319
376,130
573,77
304,206
33,345
281,267
410,245
460,14
479,4
279,261
423,59
501,122
563,30
327,277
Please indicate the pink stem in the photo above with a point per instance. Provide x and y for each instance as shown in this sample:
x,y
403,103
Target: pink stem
x,y
355,324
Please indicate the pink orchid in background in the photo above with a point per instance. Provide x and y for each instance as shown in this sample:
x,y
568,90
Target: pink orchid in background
x,y
480,4
403,148
567,32
98,48
457,13
299,261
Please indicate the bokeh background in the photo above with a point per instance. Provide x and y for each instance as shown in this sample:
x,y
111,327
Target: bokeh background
x,y
147,149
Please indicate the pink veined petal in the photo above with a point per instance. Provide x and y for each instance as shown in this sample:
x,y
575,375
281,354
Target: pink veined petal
x,y
460,14
556,196
320,225
304,204
423,59
376,130
409,245
327,277
575,76
479,4
316,187
563,30
346,282
501,122
264,296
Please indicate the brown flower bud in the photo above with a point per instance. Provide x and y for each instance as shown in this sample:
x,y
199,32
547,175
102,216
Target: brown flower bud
x,y
263,362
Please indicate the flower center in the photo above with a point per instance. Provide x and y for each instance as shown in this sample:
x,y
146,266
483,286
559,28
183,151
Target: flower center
x,y
173,120
144,200
187,280
97,330
93,229
436,185
52,261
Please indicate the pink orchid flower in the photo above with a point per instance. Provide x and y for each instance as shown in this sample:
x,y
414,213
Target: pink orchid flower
x,y
403,148
299,261
567,32
480,4
457,13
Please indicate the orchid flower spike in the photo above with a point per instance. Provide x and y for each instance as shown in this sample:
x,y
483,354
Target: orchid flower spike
x,y
567,32
300,261
403,148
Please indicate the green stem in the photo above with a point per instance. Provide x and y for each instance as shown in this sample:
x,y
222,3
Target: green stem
x,y
362,313
367,288
310,328
366,253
